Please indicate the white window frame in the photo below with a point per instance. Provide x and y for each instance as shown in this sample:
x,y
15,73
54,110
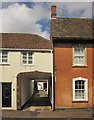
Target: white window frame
x,y
1,57
27,58
86,88
85,55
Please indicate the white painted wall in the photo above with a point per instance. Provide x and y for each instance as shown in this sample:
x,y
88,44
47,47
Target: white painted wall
x,y
42,62
25,91
32,88
27,87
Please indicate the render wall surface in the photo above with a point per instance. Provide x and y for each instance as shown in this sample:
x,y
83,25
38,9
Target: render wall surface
x,y
42,62
26,90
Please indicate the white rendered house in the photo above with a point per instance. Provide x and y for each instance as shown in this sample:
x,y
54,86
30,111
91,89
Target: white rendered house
x,y
22,55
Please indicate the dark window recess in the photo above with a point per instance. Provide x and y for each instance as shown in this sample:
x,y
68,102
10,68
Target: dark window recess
x,y
45,86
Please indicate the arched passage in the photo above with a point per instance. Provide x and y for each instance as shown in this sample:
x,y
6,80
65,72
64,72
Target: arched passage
x,y
31,76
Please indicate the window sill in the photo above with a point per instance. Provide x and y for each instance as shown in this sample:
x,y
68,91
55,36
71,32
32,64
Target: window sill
x,y
6,108
27,64
4,64
79,66
74,101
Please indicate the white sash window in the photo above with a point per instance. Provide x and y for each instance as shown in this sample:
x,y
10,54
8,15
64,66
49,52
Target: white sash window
x,y
79,55
27,58
80,89
3,57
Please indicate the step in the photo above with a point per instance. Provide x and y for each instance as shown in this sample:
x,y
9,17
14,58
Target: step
x,y
38,108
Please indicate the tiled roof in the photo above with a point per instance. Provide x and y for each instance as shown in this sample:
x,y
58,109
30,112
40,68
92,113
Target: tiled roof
x,y
23,41
72,28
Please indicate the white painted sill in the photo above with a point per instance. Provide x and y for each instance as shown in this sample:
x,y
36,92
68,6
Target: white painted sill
x,y
80,100
4,64
83,66
6,108
28,65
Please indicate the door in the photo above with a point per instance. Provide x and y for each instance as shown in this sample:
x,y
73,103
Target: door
x,y
6,94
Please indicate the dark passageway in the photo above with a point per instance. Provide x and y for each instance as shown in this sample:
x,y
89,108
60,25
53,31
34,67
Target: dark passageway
x,y
28,90
39,99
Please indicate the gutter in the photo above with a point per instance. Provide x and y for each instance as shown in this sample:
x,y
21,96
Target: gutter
x,y
14,49
73,38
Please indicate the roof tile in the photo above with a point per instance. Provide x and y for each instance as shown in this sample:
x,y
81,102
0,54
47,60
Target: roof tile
x,y
72,28
23,41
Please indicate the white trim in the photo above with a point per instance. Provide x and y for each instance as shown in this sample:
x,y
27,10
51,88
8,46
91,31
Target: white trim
x,y
4,64
86,89
47,87
7,108
48,50
52,99
79,65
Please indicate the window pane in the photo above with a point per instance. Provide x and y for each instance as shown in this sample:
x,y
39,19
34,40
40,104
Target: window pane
x,y
24,61
79,85
24,53
76,87
83,94
24,58
30,62
30,58
30,54
4,53
82,52
4,60
83,84
76,94
75,51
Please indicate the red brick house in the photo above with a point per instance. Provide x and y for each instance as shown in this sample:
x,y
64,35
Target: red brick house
x,y
73,55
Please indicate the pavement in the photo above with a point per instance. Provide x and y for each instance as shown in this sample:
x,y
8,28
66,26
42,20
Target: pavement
x,y
62,114
66,114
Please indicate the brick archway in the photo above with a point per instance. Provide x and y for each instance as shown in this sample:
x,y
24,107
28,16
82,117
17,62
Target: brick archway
x,y
31,76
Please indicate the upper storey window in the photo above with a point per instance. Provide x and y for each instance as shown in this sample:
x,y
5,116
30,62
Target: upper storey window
x,y
27,58
79,56
3,57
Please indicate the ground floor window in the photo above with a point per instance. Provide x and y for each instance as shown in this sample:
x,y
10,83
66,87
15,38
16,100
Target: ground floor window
x,y
6,94
80,89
